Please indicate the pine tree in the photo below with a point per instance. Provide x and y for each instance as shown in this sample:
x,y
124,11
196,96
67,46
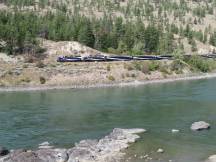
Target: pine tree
x,y
86,35
151,39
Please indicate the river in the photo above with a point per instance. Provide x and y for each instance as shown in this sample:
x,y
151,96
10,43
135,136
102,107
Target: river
x,y
64,117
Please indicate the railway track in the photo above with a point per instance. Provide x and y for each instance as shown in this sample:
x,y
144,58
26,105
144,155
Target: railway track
x,y
102,58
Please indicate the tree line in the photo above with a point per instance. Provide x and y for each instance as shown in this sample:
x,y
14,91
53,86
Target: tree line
x,y
20,32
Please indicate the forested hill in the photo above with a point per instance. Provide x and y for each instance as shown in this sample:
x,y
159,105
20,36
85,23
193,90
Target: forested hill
x,y
115,26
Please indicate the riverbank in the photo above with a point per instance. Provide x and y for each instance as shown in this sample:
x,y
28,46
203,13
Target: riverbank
x,y
107,149
123,84
23,73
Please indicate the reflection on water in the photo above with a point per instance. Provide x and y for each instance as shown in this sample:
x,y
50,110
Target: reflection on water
x,y
63,117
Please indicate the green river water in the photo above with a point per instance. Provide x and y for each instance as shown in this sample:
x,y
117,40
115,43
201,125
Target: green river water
x,y
63,117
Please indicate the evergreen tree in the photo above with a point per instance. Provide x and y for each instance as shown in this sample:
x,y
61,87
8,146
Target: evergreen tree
x,y
86,35
151,39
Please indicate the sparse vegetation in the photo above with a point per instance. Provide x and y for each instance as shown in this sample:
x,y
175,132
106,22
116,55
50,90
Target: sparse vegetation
x,y
42,80
203,65
111,78
40,64
108,67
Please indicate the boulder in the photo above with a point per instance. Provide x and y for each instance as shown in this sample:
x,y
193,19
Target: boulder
x,y
201,125
107,149
160,150
211,159
3,151
175,131
43,155
45,145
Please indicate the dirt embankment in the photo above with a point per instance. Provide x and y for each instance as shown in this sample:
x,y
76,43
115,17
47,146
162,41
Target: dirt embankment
x,y
15,72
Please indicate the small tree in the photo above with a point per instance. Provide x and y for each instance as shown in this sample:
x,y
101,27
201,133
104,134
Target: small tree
x,y
86,35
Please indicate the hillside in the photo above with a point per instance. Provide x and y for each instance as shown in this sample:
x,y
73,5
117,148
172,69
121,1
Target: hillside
x,y
114,26
35,32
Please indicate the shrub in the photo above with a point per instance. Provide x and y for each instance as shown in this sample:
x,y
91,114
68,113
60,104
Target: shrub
x,y
153,66
108,67
25,66
177,66
128,67
26,79
145,69
40,64
199,63
111,78
133,75
29,59
164,70
42,80
137,65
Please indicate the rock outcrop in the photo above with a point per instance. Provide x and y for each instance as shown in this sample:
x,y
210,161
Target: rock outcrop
x,y
211,159
107,149
201,125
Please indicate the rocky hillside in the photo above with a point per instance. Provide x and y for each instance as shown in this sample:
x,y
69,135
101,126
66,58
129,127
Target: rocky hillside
x,y
35,32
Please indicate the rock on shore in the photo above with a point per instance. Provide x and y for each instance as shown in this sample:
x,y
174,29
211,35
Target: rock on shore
x,y
211,159
201,125
107,149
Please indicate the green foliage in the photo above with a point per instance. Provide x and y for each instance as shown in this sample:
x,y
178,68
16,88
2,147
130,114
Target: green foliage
x,y
212,39
86,35
154,65
18,31
126,34
108,67
42,80
151,39
197,63
177,66
111,78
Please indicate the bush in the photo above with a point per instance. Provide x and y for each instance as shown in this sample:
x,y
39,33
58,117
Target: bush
x,y
108,67
40,64
153,66
177,66
137,65
128,67
29,59
26,79
111,78
42,80
164,70
133,75
200,64
145,69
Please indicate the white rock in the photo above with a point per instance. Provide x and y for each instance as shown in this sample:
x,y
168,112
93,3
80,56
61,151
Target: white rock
x,y
160,150
212,158
44,144
46,147
175,131
201,125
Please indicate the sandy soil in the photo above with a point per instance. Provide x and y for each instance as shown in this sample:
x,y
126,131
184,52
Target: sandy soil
x,y
17,74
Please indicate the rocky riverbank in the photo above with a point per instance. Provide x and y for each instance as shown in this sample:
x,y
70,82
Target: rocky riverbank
x,y
110,84
24,72
107,149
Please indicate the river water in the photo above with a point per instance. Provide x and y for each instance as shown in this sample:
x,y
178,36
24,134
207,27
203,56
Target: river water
x,y
63,117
